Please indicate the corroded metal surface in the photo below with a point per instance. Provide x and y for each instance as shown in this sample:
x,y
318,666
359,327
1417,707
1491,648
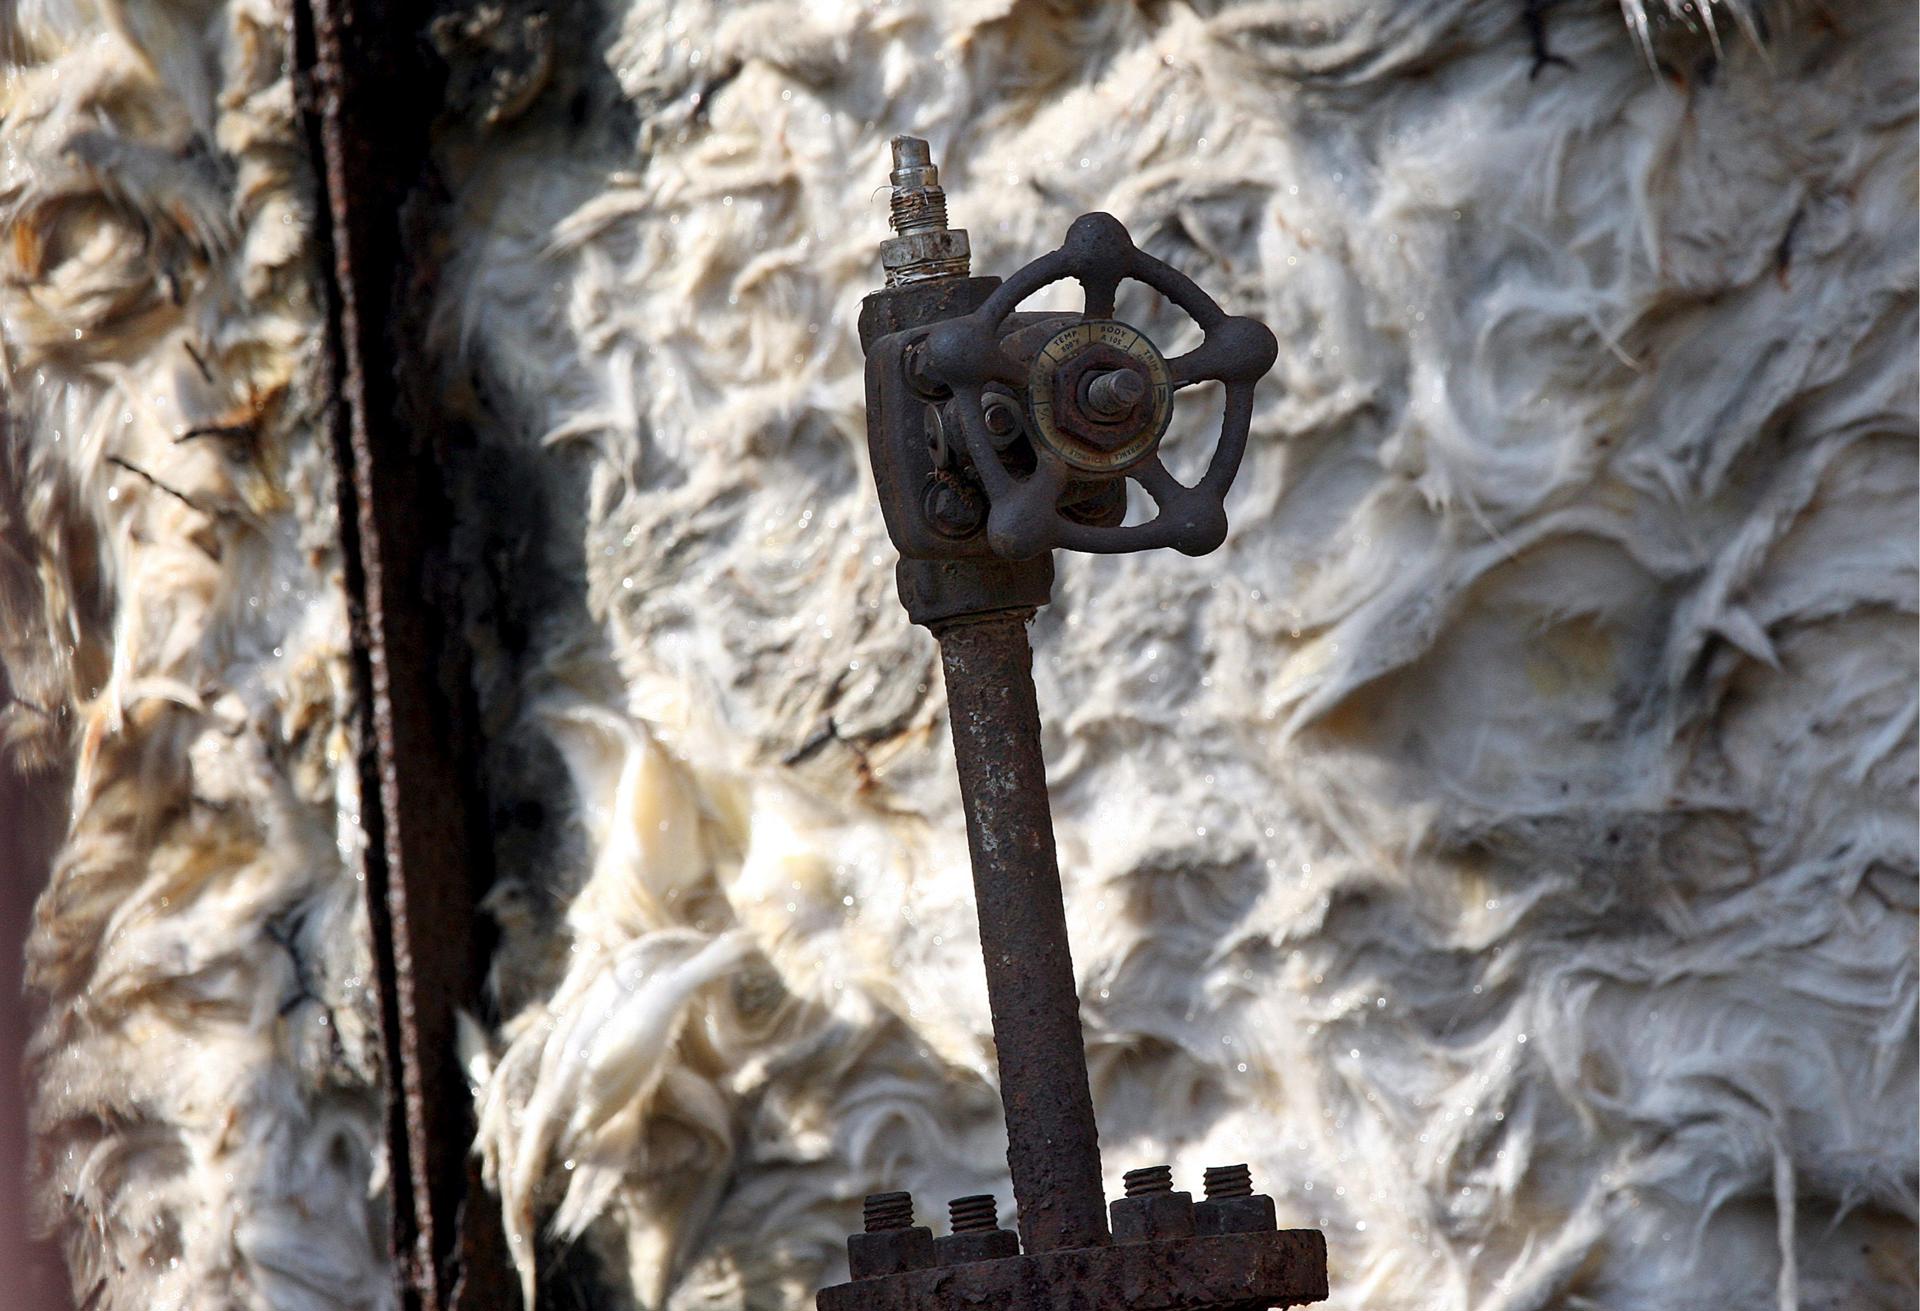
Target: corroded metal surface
x,y
1052,1146
1287,1268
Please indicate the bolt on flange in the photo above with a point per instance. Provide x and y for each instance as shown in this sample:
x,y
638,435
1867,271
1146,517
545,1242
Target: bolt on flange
x,y
1151,1210
892,1244
1231,1205
977,1235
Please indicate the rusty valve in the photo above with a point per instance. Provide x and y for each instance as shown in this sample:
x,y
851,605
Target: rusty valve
x,y
1099,399
1041,408
996,436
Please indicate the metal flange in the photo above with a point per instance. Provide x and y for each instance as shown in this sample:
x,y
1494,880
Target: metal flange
x,y
1273,1269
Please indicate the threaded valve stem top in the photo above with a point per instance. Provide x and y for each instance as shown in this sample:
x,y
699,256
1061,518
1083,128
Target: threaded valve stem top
x,y
923,248
918,203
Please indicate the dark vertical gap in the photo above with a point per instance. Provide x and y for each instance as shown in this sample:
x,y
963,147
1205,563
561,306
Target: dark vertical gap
x,y
36,782
370,95
33,816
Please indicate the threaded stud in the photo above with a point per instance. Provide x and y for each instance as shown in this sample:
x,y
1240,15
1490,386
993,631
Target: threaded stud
x,y
1112,394
1153,1179
1229,1181
919,203
923,248
977,1214
918,211
888,1211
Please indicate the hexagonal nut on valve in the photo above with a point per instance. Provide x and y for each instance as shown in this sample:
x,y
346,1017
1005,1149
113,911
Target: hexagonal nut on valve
x,y
919,256
1151,1210
892,1244
1231,1206
977,1235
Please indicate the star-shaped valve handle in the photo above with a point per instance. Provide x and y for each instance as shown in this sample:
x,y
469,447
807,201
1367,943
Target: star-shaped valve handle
x,y
1098,397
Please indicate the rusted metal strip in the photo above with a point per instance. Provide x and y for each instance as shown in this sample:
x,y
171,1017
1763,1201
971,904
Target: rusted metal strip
x,y
1053,1149
370,96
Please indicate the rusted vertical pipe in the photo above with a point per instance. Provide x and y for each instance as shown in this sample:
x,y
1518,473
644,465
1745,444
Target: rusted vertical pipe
x,y
1053,1148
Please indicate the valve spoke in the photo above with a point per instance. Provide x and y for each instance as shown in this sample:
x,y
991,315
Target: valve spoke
x,y
979,442
1100,289
1234,350
1196,366
1161,485
1024,522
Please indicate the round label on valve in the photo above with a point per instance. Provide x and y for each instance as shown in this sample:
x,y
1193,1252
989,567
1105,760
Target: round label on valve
x,y
1099,396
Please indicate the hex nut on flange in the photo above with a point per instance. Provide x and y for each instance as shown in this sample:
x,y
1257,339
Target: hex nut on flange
x,y
889,1252
977,1235
1234,1215
1151,1209
958,1249
1231,1205
1155,1216
892,1243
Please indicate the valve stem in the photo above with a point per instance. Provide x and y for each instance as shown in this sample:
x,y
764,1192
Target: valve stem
x,y
924,247
918,203
1111,394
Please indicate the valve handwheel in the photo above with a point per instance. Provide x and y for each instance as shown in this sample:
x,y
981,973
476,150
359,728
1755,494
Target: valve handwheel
x,y
1099,400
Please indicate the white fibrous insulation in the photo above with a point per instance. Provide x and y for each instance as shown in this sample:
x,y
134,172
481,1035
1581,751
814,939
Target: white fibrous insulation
x,y
206,1106
1505,843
